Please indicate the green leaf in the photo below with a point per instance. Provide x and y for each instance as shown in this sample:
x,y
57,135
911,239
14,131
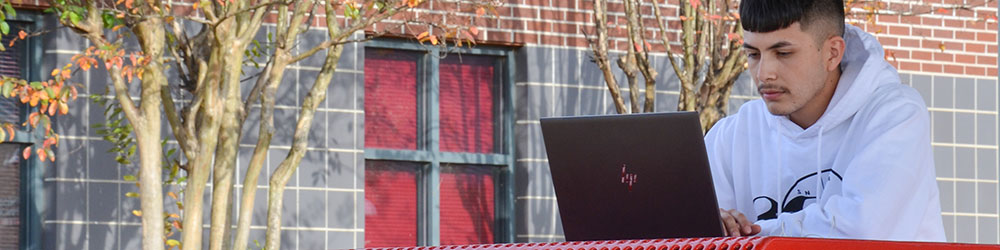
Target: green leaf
x,y
173,242
132,195
7,88
171,152
74,17
129,178
4,28
131,150
10,10
49,91
36,85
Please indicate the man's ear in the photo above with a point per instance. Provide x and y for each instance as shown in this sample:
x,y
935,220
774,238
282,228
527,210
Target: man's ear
x,y
834,52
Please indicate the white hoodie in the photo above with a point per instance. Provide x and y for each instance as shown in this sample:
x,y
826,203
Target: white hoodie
x,y
868,159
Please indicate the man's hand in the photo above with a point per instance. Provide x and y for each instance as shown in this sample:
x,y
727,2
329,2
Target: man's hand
x,y
737,224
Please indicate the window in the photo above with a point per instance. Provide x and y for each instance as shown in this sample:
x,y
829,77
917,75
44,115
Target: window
x,y
437,146
20,180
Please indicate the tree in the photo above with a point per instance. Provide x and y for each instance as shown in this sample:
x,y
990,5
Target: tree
x,y
210,65
709,59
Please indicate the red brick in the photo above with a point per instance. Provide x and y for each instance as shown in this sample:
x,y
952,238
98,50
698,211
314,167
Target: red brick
x,y
577,42
906,42
979,25
899,30
524,12
888,41
975,48
975,70
952,23
992,72
887,18
992,49
965,59
536,2
539,26
552,40
954,69
965,35
938,33
911,19
920,31
964,13
552,15
570,4
986,37
512,24
498,36
579,17
943,57
909,66
565,28
930,21
987,60
899,54
922,55
525,38
931,68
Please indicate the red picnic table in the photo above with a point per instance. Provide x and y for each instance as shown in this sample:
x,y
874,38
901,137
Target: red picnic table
x,y
727,243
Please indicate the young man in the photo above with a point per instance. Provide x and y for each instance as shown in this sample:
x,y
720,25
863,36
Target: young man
x,y
837,147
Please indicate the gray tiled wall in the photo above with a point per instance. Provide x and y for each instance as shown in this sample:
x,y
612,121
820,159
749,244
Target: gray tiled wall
x,y
964,136
87,208
551,82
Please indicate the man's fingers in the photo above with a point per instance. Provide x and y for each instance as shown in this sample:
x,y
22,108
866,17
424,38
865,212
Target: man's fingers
x,y
732,226
755,229
744,223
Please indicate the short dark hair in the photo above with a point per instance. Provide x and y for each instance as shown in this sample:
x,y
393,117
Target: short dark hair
x,y
769,15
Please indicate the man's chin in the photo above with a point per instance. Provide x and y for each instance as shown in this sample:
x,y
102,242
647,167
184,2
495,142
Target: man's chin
x,y
777,109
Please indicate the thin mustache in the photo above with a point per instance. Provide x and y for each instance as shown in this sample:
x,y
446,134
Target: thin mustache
x,y
761,88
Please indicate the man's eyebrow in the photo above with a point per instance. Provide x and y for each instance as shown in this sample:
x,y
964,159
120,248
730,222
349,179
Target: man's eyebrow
x,y
747,46
779,45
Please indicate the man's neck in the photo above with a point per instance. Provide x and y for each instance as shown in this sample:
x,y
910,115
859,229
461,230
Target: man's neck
x,y
814,109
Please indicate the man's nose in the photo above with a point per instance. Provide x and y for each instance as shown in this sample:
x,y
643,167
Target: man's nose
x,y
766,70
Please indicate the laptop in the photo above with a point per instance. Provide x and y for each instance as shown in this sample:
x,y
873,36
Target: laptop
x,y
638,176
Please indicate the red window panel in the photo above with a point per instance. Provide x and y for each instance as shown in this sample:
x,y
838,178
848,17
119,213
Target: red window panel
x,y
10,66
467,103
390,99
10,196
390,203
467,204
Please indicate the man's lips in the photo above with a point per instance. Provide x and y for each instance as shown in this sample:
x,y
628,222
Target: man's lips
x,y
771,94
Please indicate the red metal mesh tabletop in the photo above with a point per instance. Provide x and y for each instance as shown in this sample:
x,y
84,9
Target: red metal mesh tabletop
x,y
729,243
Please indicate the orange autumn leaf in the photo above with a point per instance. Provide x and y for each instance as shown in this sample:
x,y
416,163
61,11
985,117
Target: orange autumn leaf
x,y
21,34
41,154
10,131
177,225
63,108
52,109
480,11
942,47
27,152
172,195
421,36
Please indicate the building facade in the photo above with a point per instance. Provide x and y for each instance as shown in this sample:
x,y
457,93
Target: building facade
x,y
414,148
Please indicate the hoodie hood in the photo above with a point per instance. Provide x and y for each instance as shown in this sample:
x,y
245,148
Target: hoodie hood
x,y
863,70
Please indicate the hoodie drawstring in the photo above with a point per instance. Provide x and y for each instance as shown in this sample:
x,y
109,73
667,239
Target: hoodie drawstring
x,y
819,164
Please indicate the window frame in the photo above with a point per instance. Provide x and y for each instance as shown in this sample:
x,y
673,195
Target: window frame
x,y
32,169
428,139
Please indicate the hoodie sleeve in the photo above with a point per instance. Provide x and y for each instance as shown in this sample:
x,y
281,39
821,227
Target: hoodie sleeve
x,y
888,189
719,151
